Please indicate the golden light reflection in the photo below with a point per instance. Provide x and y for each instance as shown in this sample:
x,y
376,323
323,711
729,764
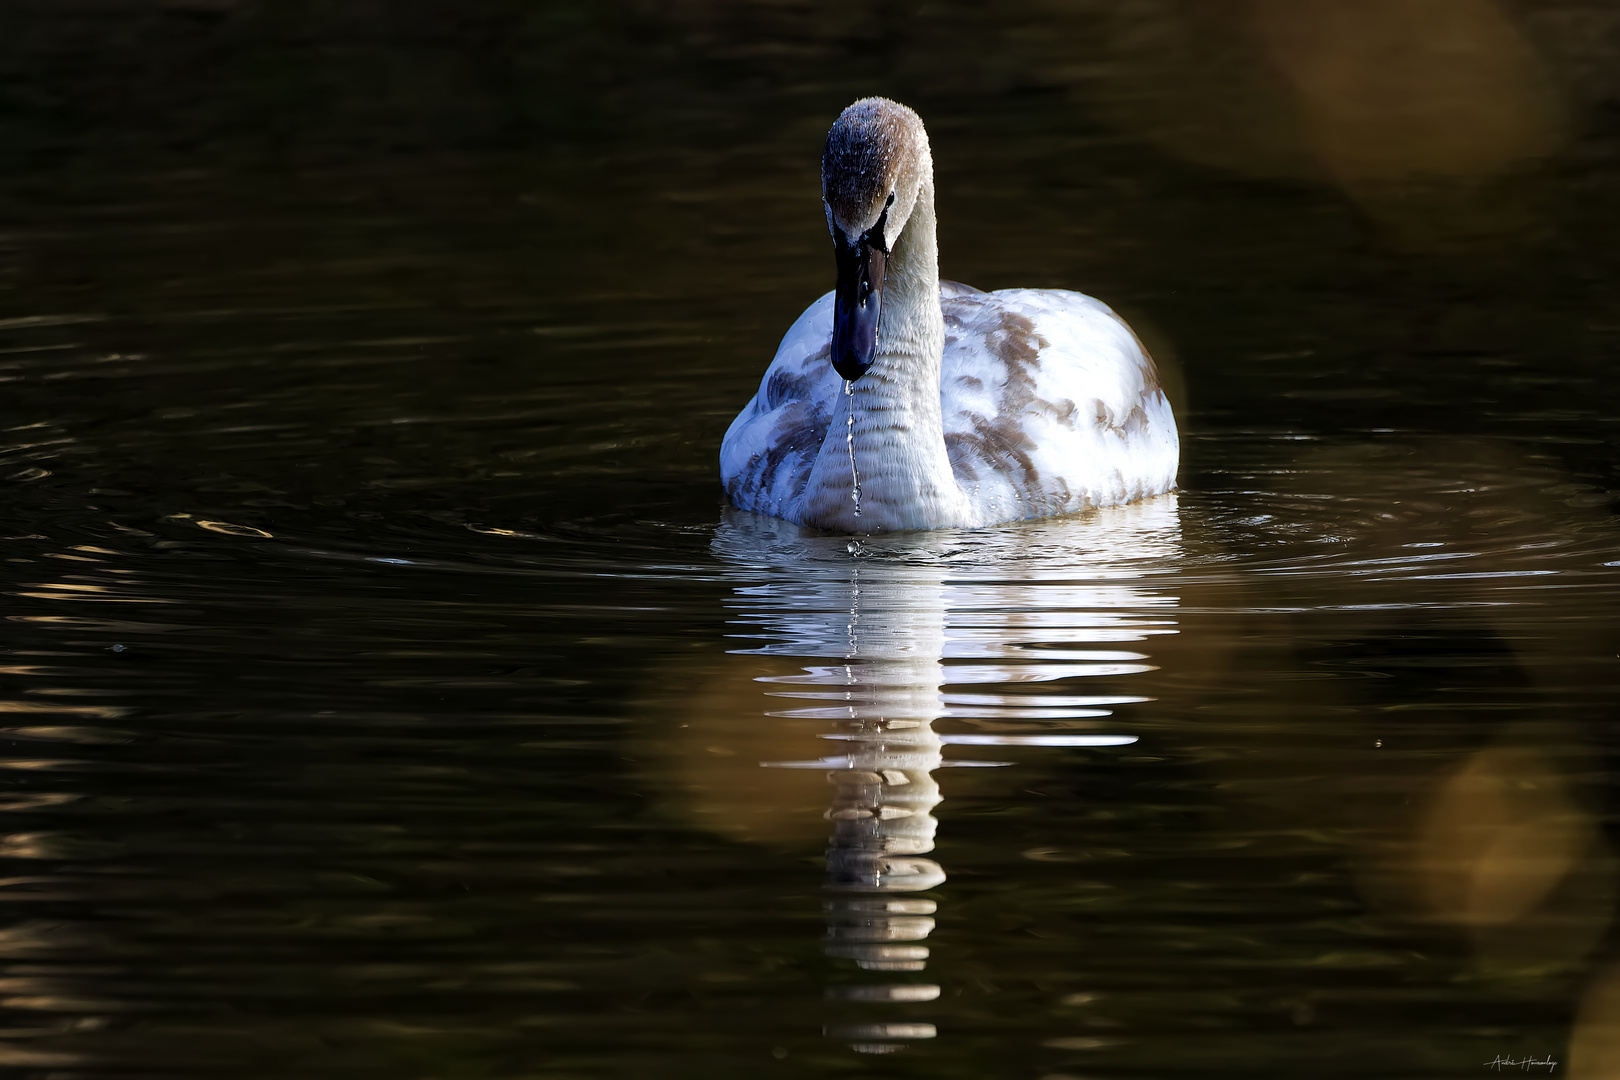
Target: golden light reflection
x,y
1394,89
1433,615
706,754
35,708
823,731
1502,852
1413,108
229,529
64,590
1501,835
1594,1048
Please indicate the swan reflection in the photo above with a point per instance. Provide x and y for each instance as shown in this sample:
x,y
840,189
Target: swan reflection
x,y
903,632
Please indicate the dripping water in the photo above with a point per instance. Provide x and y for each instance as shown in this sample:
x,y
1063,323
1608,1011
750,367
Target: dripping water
x,y
849,441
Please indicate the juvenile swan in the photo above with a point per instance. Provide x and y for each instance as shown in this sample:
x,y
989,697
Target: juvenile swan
x,y
898,401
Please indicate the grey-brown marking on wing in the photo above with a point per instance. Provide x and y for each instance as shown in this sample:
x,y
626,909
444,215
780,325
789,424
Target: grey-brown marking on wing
x,y
1135,421
782,467
998,443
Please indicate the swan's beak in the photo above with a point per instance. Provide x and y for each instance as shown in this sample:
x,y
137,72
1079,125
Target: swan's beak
x,y
857,302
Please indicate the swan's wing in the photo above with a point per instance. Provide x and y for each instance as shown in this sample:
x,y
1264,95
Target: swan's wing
x,y
1051,404
767,453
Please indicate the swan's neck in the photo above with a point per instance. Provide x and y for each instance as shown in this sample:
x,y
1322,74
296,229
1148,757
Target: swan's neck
x,y
899,437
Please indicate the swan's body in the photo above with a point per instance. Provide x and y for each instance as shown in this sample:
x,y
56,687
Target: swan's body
x,y
968,408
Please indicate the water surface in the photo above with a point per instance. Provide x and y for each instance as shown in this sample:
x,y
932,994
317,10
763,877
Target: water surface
x,y
387,690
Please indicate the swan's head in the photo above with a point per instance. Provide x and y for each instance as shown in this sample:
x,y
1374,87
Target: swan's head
x,y
872,171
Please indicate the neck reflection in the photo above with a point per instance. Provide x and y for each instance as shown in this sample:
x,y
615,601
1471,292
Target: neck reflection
x,y
904,620
880,703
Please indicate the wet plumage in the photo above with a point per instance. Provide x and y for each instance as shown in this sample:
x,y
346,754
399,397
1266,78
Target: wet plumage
x,y
978,407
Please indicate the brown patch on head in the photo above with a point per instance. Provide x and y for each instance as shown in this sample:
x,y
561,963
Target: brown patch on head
x,y
870,144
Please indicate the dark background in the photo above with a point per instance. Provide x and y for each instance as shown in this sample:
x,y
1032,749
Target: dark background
x,y
362,372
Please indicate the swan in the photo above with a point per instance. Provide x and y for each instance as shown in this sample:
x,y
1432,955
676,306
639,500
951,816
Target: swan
x,y
898,401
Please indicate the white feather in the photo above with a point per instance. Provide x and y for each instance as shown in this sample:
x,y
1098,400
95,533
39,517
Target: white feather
x,y
1049,405
974,408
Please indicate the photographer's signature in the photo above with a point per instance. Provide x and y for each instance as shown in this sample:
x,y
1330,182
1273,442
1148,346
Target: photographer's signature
x,y
1525,1064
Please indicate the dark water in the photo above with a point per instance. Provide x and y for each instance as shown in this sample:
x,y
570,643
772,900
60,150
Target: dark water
x,y
386,686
